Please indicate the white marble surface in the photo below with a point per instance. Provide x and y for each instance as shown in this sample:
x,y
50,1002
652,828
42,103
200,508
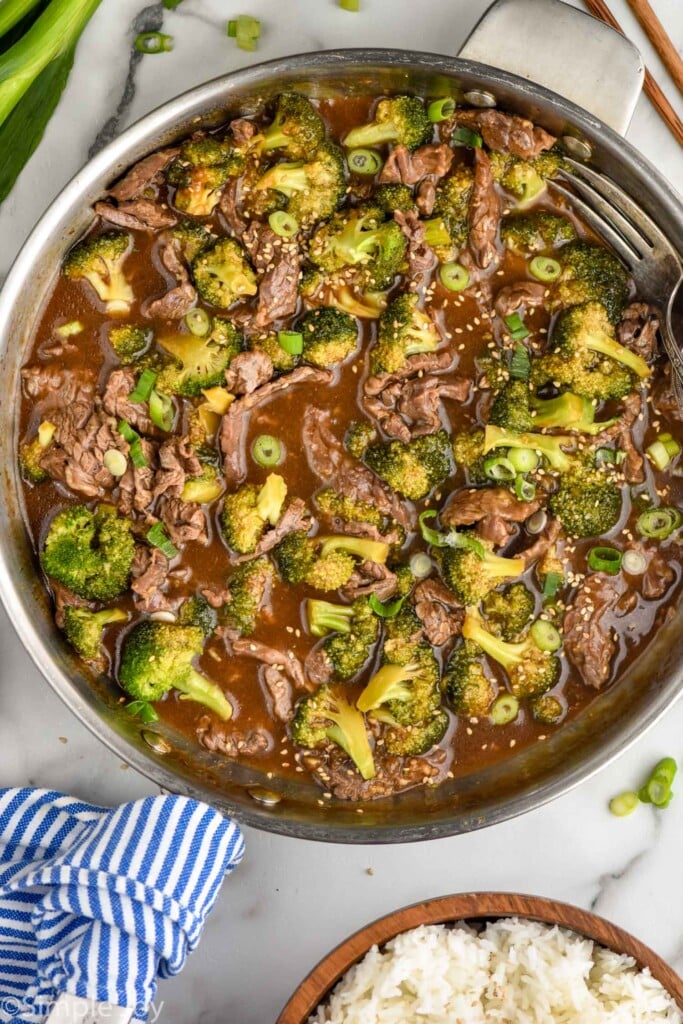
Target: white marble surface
x,y
291,901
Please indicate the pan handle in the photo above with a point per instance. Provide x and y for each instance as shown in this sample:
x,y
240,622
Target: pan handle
x,y
565,50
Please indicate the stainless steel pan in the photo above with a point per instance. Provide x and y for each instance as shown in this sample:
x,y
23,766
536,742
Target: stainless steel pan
x,y
566,52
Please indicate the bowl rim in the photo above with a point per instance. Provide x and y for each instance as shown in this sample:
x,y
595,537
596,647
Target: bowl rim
x,y
471,906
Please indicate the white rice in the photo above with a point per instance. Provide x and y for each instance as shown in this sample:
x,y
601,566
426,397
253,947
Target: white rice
x,y
511,972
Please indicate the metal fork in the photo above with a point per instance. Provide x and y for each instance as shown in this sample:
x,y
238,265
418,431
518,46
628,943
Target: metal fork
x,y
647,253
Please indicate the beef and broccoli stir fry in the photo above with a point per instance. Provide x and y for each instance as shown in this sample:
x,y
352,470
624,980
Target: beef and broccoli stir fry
x,y
347,449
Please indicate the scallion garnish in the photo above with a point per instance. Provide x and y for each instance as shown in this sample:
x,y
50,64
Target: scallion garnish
x,y
499,468
525,490
543,268
624,804
466,137
454,276
137,454
551,584
291,341
432,537
266,450
350,5
440,110
454,539
198,321
245,30
364,161
126,431
604,559
283,224
659,523
161,411
158,538
389,610
171,5
520,362
546,636
153,42
515,326
143,710
144,386
525,460
657,790
504,709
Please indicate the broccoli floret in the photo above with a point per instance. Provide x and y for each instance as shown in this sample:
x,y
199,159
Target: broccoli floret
x,y
467,686
419,738
205,488
30,454
90,552
297,128
157,657
472,571
329,336
525,179
547,710
282,360
516,408
601,381
587,502
200,362
585,334
550,447
530,670
199,173
327,716
468,452
196,611
355,628
314,189
360,238
129,341
590,273
248,510
510,610
401,119
348,509
222,274
392,197
360,434
404,330
99,261
298,562
449,227
318,288
192,238
248,590
415,467
84,629
536,232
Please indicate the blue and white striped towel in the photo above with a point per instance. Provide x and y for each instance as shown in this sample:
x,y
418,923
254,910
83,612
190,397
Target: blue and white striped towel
x,y
99,902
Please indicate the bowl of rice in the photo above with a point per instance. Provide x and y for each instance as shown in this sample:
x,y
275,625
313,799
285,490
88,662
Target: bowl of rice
x,y
489,958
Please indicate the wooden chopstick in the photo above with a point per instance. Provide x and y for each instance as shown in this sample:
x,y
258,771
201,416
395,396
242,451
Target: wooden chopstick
x,y
656,33
600,9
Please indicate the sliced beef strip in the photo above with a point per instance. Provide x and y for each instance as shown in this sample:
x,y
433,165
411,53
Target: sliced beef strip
x,y
278,294
505,133
408,168
184,521
411,408
262,245
76,455
137,214
177,462
220,739
318,667
54,387
286,661
638,330
228,204
143,175
136,486
589,642
633,466
439,611
149,578
484,214
522,293
543,543
333,465
248,371
116,403
495,530
664,401
233,424
659,575
242,130
421,363
280,695
425,197
64,599
473,504
370,578
182,296
338,775
295,517
420,256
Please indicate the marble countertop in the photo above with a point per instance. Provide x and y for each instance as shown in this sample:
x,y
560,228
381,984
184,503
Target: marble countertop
x,y
291,901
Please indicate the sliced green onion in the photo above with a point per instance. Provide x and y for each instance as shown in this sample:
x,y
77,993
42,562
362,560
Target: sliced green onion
x,y
291,341
673,447
432,537
659,523
143,710
161,411
115,461
551,584
657,789
266,450
525,460
545,636
283,224
466,137
543,268
604,559
520,363
658,454
525,490
440,110
499,468
624,804
420,565
364,161
504,709
245,30
386,611
144,386
69,329
126,431
198,321
515,326
158,538
454,276
137,455
634,563
350,5
171,5
465,542
153,42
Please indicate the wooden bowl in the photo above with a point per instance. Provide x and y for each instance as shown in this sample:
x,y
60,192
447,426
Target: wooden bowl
x,y
470,906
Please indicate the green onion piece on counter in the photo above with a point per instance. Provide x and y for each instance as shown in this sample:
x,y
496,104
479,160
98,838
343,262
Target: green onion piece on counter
x,y
454,276
126,431
499,468
543,268
504,709
350,5
245,30
545,636
171,5
525,490
657,789
432,537
143,388
440,110
153,42
158,538
266,450
198,322
466,137
389,610
520,363
291,341
161,411
658,455
115,461
525,460
551,584
634,563
624,804
515,326
420,565
283,224
604,559
659,523
364,161
143,710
